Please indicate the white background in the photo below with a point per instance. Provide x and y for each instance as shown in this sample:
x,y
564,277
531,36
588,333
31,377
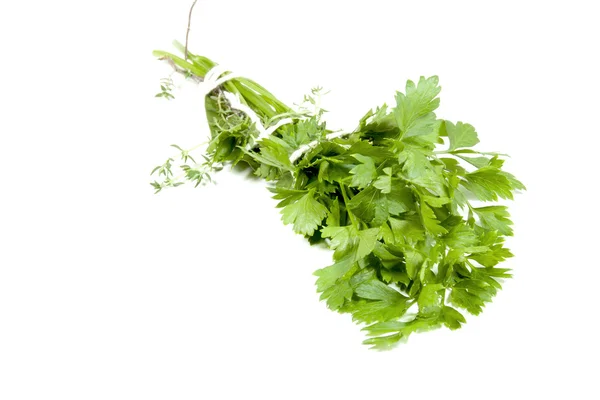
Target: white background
x,y
110,292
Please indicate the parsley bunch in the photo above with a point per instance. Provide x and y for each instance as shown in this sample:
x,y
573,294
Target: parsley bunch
x,y
401,200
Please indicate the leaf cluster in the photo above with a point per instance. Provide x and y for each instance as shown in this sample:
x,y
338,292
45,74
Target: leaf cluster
x,y
403,202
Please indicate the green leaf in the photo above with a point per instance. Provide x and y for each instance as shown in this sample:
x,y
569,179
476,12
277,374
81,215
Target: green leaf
x,y
461,135
424,131
408,230
415,161
430,299
399,331
494,255
271,153
334,284
373,206
384,182
384,342
337,294
489,183
378,123
472,294
379,310
306,214
470,302
329,275
418,101
478,162
377,290
436,202
461,236
382,303
363,173
395,276
384,328
430,222
348,240
323,175
452,318
413,260
495,218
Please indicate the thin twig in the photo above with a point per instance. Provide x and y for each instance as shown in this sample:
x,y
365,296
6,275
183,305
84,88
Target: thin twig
x,y
187,34
182,71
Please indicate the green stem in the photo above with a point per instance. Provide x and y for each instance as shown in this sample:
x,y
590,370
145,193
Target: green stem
x,y
256,101
195,68
254,94
195,147
467,152
346,201
264,93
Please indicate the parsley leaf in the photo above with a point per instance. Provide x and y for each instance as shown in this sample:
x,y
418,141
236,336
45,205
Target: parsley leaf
x,y
306,214
349,240
363,173
461,135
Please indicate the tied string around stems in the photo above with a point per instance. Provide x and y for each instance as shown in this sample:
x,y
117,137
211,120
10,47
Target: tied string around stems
x,y
218,75
213,79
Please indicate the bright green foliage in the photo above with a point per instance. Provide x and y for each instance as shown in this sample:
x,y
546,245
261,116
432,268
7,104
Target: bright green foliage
x,y
403,201
461,135
348,240
363,173
306,214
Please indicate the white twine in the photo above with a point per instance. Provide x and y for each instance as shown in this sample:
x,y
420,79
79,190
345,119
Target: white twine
x,y
306,147
215,78
235,103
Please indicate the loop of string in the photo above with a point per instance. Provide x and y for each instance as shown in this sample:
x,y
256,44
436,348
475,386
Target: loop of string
x,y
304,148
219,75
215,78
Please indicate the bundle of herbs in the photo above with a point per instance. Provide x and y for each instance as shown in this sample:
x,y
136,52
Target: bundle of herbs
x,y
402,200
